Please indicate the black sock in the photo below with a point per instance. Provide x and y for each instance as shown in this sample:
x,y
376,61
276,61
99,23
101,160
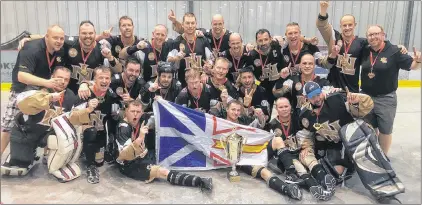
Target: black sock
x,y
183,179
276,184
308,181
285,161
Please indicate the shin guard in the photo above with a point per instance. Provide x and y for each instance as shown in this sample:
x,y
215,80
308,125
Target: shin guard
x,y
372,166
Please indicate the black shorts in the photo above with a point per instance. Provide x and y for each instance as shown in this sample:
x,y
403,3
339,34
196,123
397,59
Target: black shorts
x,y
139,169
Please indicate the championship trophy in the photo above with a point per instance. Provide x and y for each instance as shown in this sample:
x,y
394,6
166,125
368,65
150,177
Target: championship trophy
x,y
233,146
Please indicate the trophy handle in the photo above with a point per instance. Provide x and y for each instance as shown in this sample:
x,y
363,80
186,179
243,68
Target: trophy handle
x,y
222,144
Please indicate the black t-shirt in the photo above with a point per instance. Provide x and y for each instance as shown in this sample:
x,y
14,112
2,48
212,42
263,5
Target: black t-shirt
x,y
116,45
33,59
186,99
349,78
149,57
235,64
386,69
200,47
134,90
75,62
295,59
102,112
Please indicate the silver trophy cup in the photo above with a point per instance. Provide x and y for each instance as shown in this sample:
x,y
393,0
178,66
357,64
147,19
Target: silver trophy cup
x,y
233,146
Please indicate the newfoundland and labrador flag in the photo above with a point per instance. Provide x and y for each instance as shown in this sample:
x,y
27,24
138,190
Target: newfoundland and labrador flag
x,y
190,140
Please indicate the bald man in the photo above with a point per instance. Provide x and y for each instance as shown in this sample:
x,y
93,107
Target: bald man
x,y
33,67
149,53
237,56
218,36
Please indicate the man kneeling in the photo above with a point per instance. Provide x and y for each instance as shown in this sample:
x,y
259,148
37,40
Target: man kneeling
x,y
135,161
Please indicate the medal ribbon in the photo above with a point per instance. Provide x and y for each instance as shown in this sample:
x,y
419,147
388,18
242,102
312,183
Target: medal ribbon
x,y
50,62
319,112
135,132
219,44
298,54
371,58
303,81
196,101
85,58
192,49
155,50
286,132
347,48
265,63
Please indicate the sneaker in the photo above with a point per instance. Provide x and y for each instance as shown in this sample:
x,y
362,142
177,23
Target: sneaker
x,y
292,178
329,183
93,176
206,183
319,193
293,191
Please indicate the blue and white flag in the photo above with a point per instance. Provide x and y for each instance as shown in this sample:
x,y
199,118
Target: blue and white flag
x,y
190,140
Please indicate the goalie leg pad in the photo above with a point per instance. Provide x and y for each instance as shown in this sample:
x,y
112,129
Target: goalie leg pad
x,y
371,164
67,173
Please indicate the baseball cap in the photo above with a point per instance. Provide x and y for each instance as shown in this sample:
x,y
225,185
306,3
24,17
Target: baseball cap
x,y
311,89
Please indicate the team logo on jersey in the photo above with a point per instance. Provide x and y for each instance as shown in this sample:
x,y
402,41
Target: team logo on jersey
x,y
383,60
329,132
82,73
97,120
286,58
270,71
298,86
346,64
59,59
305,122
117,49
275,53
151,56
73,52
257,62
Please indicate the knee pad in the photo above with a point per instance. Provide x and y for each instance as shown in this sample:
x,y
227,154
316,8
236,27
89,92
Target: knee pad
x,y
90,135
67,173
65,148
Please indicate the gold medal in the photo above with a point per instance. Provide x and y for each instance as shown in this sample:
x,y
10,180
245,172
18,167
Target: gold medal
x,y
73,52
371,75
117,49
84,69
151,56
182,47
317,126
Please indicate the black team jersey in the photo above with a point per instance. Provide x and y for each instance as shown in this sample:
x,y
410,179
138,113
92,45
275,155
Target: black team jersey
x,y
81,63
292,89
235,64
203,103
150,57
134,91
294,60
267,68
116,45
200,47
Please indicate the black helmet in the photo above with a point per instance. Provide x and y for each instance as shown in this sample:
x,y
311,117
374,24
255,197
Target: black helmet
x,y
165,67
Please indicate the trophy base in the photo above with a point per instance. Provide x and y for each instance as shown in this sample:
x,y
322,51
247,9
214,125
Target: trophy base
x,y
233,176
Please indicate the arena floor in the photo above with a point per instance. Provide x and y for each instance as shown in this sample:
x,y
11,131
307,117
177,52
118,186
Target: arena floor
x,y
40,187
